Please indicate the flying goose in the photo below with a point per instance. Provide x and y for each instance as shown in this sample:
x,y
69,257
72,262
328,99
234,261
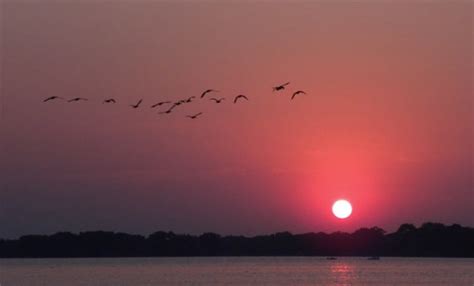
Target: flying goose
x,y
280,87
110,100
296,93
137,105
160,103
169,110
194,116
77,99
52,98
207,91
190,99
240,96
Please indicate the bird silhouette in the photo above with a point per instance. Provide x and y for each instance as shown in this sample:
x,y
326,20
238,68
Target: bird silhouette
x,y
169,110
217,100
110,100
52,98
77,99
160,103
280,87
207,91
194,116
296,93
178,103
240,96
137,105
190,99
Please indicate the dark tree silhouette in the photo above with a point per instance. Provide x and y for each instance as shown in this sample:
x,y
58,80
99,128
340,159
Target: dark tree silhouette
x,y
429,240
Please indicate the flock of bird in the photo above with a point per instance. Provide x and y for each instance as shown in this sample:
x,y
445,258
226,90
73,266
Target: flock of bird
x,y
182,101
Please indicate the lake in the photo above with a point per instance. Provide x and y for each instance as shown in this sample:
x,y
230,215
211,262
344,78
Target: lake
x,y
236,271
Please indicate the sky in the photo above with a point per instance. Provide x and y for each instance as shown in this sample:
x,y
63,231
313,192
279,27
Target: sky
x,y
387,121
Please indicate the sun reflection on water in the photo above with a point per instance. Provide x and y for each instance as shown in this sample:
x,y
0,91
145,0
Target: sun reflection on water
x,y
342,273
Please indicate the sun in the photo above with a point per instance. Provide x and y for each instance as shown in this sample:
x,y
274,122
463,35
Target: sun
x,y
342,209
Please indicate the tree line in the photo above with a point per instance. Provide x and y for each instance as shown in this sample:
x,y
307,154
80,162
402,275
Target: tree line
x,y
429,240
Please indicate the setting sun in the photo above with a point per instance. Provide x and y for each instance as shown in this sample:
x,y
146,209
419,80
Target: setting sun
x,y
342,209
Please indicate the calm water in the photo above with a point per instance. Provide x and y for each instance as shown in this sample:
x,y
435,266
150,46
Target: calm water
x,y
236,271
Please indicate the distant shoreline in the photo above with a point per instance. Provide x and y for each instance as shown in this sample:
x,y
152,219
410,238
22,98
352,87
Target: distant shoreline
x,y
433,240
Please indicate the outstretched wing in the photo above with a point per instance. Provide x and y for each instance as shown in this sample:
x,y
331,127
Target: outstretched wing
x,y
240,96
296,93
204,93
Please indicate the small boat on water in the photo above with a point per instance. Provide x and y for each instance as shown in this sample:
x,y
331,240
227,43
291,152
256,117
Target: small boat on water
x,y
373,258
331,258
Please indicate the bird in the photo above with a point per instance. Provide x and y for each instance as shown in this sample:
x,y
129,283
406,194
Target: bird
x,y
110,100
160,103
137,105
296,93
77,99
194,116
189,100
207,91
52,98
217,100
169,110
240,96
178,103
280,87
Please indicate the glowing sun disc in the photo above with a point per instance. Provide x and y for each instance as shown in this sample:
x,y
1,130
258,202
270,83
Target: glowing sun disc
x,y
342,209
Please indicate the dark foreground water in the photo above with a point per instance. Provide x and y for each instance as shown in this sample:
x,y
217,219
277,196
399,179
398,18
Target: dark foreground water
x,y
236,271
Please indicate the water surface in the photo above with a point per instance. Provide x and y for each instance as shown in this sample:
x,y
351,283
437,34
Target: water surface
x,y
236,271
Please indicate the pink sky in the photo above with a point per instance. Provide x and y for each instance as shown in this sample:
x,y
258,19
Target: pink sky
x,y
387,122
